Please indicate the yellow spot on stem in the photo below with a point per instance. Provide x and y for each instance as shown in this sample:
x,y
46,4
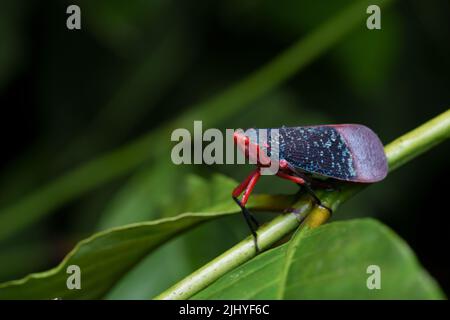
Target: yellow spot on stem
x,y
317,217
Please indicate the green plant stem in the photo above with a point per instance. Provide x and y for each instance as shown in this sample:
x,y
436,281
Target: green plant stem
x,y
124,160
418,141
398,153
268,234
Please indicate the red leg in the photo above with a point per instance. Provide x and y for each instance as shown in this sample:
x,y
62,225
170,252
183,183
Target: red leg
x,y
241,187
250,186
247,186
289,177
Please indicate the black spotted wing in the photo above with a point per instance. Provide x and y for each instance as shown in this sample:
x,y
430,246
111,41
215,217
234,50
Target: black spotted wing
x,y
346,152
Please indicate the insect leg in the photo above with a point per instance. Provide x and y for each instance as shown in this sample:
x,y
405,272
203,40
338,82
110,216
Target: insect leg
x,y
254,179
323,185
247,187
295,179
243,185
316,198
302,182
249,219
327,185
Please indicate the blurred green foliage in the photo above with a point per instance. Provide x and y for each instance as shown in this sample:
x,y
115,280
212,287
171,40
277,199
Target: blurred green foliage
x,y
72,96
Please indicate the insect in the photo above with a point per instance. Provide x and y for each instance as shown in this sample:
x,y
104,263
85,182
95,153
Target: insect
x,y
306,155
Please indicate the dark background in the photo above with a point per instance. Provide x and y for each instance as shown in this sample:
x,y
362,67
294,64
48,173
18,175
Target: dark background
x,y
67,97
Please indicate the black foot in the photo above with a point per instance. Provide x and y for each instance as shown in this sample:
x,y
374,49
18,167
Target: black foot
x,y
316,198
249,218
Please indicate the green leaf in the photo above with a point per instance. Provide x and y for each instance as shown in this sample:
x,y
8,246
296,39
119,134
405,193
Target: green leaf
x,y
189,250
108,255
154,193
142,196
104,258
179,257
330,262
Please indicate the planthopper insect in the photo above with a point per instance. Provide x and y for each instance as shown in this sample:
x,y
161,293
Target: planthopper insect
x,y
306,155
